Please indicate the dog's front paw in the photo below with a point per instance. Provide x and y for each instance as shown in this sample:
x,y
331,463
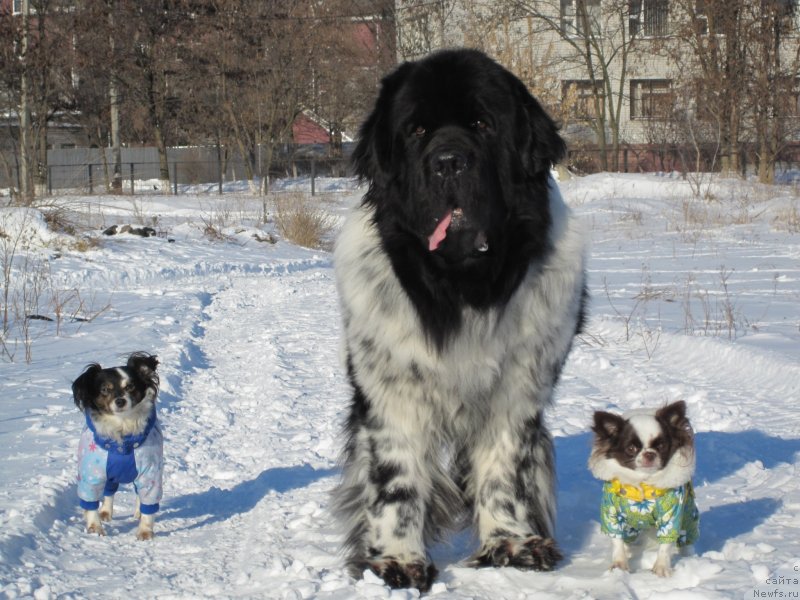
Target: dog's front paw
x,y
622,565
529,553
662,570
145,529
93,524
663,565
403,574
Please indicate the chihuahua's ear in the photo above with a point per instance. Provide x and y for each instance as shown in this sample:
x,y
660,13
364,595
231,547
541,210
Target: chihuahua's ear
x,y
607,425
83,386
143,363
674,415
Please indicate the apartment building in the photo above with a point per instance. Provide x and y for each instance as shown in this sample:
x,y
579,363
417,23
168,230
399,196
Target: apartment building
x,y
624,73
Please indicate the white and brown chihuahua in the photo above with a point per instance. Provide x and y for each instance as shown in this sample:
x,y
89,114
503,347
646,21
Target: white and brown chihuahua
x,y
122,441
647,460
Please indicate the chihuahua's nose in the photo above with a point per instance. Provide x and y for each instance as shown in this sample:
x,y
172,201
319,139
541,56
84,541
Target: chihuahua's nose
x,y
120,402
649,456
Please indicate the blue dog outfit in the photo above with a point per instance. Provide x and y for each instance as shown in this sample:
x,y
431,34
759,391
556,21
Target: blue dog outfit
x,y
627,509
105,463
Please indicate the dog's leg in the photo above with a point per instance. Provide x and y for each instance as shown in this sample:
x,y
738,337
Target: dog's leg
x,y
93,524
146,522
384,496
145,529
107,508
514,492
663,564
619,554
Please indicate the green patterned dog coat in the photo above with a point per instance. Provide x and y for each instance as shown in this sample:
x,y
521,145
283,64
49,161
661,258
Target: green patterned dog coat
x,y
672,512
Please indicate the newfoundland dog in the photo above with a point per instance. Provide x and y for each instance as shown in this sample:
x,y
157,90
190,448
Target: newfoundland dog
x,y
461,281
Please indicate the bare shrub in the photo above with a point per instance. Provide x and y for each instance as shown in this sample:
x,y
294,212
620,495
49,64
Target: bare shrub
x,y
301,221
788,219
28,293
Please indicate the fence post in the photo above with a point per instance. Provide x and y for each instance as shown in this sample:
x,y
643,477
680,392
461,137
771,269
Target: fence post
x,y
132,186
219,172
49,180
175,178
91,184
313,175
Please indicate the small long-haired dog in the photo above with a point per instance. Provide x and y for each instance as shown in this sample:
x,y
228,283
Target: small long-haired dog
x,y
647,459
122,441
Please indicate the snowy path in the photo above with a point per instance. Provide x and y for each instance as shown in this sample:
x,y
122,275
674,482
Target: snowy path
x,y
250,421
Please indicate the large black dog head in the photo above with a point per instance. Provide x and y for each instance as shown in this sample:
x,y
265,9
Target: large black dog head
x,y
455,149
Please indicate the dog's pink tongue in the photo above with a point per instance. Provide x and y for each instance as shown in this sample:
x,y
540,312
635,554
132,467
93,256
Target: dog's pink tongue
x,y
440,232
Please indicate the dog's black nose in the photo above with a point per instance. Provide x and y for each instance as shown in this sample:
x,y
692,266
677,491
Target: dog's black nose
x,y
649,456
448,163
120,402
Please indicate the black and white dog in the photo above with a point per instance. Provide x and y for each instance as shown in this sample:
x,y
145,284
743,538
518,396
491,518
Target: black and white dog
x,y
461,281
122,441
646,458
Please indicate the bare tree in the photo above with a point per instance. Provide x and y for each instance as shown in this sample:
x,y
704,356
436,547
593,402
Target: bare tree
x,y
773,64
710,41
252,65
35,72
600,41
424,25
358,39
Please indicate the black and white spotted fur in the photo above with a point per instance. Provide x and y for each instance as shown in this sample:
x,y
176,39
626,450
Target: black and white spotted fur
x,y
447,416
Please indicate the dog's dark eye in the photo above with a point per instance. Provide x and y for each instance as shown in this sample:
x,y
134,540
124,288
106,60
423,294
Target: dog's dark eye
x,y
106,389
480,125
129,387
632,449
419,131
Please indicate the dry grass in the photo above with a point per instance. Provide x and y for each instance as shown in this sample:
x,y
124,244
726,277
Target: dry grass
x,y
788,219
301,221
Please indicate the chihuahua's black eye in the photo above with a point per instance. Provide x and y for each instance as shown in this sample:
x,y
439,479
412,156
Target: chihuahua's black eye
x,y
419,131
129,387
106,389
632,449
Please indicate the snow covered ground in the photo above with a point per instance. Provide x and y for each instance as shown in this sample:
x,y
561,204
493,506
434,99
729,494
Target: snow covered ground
x,y
691,298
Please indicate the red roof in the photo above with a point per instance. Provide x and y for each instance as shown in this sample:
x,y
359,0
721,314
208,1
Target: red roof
x,y
306,131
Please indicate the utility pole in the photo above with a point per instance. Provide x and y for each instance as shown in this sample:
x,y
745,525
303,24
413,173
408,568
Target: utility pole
x,y
25,180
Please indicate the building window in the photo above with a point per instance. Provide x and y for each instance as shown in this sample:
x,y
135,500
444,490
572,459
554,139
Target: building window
x,y
652,99
17,6
649,18
580,17
580,96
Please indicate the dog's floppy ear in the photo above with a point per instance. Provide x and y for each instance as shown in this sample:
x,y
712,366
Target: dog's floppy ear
x,y
144,365
607,425
674,415
83,386
372,156
537,136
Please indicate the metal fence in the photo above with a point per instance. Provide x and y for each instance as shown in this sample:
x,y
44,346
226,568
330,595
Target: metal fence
x,y
207,170
194,169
